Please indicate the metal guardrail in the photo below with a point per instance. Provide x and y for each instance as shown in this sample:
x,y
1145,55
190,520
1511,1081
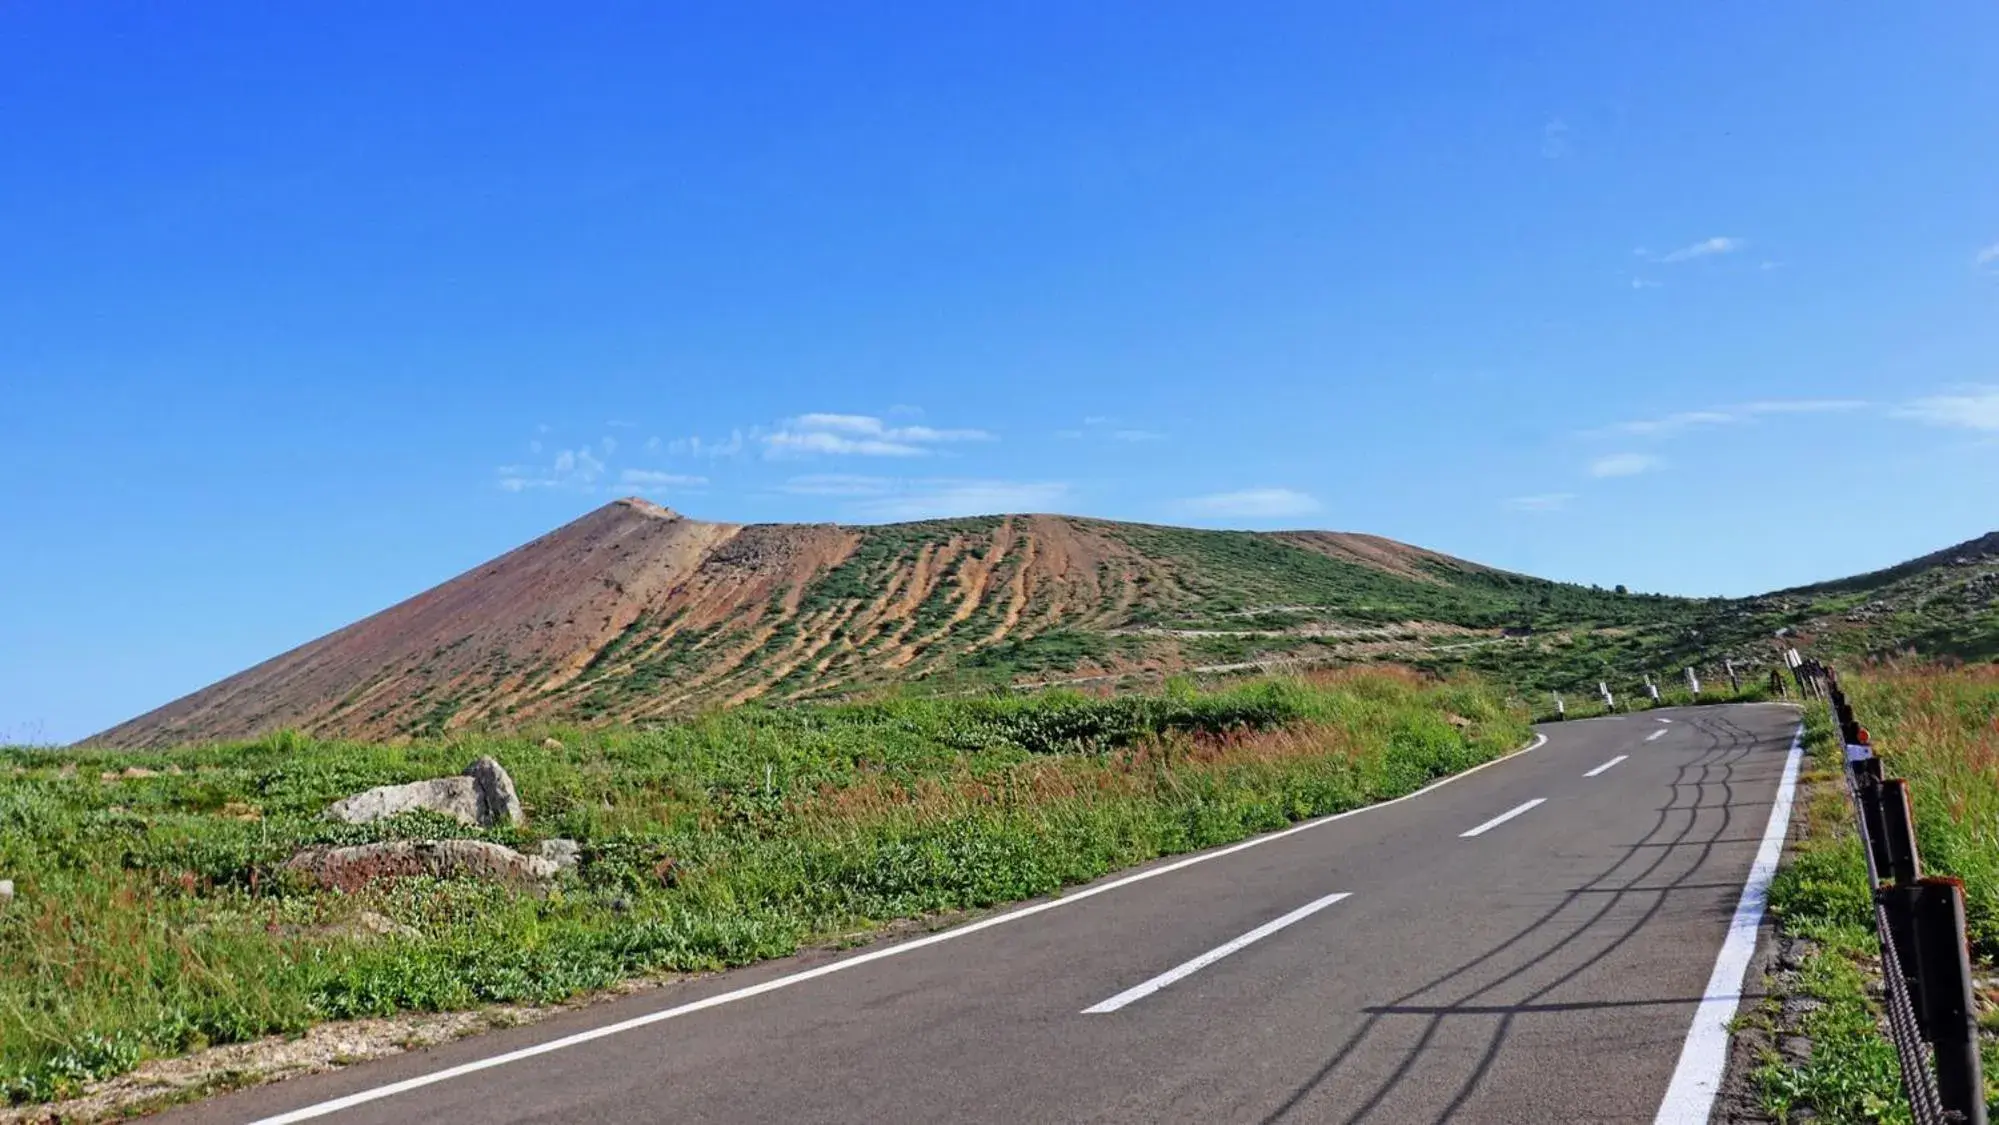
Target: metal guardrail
x,y
1925,959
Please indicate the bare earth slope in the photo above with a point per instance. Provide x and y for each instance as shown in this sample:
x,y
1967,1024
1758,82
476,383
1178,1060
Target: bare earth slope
x,y
634,612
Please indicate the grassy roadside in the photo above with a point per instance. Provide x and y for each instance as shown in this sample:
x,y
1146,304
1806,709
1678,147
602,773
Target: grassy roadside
x,y
1939,728
152,918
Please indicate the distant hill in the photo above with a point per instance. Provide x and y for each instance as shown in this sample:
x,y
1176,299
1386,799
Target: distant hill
x,y
635,612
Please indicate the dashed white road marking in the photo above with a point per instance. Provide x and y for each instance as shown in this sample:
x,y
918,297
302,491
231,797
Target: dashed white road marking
x,y
1606,765
1502,818
1665,720
1655,736
1180,972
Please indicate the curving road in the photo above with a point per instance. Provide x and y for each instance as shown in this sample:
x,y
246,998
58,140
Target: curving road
x,y
1556,937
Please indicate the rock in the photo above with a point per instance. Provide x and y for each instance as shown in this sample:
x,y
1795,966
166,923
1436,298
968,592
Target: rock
x,y
381,924
483,795
129,772
456,797
667,871
551,744
498,802
563,853
6,890
353,867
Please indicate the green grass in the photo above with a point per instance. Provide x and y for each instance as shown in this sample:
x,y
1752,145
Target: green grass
x,y
1939,728
153,918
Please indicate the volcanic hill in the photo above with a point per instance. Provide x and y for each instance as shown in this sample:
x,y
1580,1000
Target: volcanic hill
x,y
634,612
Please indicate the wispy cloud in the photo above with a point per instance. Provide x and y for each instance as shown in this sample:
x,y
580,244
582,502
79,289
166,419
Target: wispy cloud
x,y
1112,429
656,481
1555,139
941,498
1989,255
1730,415
1252,503
731,446
837,484
1624,465
1973,408
860,435
571,468
1705,248
1645,283
1541,502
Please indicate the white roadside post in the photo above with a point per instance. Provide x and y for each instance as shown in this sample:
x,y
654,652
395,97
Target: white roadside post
x,y
1561,712
1734,681
1609,700
1651,689
1694,682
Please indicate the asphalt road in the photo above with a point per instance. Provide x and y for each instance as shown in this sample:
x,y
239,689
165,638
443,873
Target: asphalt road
x,y
1388,966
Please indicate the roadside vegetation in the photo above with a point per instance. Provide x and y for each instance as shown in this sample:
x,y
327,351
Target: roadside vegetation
x,y
152,915
1939,728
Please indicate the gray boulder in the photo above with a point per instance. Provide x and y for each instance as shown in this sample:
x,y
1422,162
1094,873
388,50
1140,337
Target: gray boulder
x,y
498,803
351,868
483,795
6,890
563,853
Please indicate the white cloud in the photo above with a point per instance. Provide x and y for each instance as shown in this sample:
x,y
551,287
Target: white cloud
x,y
1543,502
1555,139
941,498
653,479
860,435
732,446
837,484
571,468
1252,503
1731,415
1624,465
1137,435
1705,248
1975,408
1989,255
1645,283
610,445
786,443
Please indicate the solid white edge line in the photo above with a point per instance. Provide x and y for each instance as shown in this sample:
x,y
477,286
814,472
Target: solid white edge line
x,y
1502,818
1656,735
1697,1078
349,1101
1182,971
1606,765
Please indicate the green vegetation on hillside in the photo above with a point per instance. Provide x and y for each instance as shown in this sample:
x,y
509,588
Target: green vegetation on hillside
x,y
153,917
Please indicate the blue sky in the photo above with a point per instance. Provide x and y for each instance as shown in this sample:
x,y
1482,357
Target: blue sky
x,y
305,308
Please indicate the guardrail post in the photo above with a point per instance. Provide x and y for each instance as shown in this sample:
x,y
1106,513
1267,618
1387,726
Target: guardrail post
x,y
1898,832
1867,794
1948,1017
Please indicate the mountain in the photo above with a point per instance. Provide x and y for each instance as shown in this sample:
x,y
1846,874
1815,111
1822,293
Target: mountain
x,y
635,612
